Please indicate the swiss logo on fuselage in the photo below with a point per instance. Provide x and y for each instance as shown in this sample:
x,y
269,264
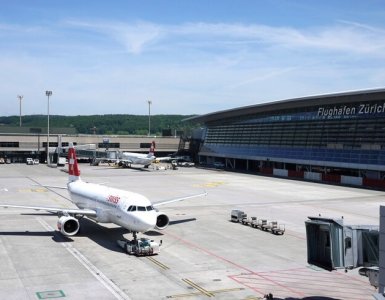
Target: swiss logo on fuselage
x,y
113,199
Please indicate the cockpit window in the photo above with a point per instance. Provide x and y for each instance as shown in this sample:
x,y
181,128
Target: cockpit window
x,y
132,208
140,208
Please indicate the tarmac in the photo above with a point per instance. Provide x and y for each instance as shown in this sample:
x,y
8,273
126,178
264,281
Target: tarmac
x,y
203,255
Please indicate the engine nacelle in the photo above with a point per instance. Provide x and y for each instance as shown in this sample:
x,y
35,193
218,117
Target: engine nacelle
x,y
68,225
162,221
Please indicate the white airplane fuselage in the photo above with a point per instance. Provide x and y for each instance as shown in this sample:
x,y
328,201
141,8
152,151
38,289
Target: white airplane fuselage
x,y
137,158
111,205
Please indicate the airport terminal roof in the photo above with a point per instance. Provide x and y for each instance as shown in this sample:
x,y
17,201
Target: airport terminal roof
x,y
329,99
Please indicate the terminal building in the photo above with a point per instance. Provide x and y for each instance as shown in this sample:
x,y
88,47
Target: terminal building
x,y
19,143
336,138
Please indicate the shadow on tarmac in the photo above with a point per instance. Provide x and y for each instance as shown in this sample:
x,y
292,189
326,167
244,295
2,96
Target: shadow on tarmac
x,y
306,298
56,236
103,236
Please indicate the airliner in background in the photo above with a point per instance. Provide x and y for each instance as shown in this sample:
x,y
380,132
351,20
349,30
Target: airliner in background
x,y
104,204
126,159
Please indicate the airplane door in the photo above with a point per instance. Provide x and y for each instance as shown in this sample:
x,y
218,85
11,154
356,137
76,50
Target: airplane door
x,y
348,245
119,209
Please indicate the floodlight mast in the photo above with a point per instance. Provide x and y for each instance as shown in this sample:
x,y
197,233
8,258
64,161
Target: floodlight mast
x,y
20,97
48,94
149,117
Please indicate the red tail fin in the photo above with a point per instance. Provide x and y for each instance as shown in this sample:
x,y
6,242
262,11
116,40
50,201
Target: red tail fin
x,y
73,169
152,148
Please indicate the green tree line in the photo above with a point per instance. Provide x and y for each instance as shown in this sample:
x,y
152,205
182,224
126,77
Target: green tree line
x,y
106,124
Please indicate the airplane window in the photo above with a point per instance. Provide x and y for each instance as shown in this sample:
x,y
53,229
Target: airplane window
x,y
141,208
132,208
149,208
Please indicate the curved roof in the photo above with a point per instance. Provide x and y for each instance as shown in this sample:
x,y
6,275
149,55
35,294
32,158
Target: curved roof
x,y
337,98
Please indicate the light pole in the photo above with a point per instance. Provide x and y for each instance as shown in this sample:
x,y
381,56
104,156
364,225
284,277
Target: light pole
x,y
20,98
48,94
149,117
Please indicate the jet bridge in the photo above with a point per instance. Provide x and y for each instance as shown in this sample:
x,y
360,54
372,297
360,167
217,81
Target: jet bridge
x,y
332,245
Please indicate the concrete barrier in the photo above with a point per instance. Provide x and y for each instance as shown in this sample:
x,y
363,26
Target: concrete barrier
x,y
375,183
313,176
267,171
280,172
334,178
296,174
351,180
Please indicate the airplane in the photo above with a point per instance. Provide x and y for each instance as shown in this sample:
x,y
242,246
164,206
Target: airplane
x,y
126,159
104,204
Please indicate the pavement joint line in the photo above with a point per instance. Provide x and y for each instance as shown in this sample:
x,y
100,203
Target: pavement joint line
x,y
199,288
158,263
103,279
199,293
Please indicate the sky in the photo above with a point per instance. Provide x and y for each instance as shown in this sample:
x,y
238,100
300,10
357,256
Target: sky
x,y
186,57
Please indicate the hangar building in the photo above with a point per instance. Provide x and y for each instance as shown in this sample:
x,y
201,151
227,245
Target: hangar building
x,y
337,138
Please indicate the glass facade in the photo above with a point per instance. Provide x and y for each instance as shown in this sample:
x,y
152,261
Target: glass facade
x,y
337,135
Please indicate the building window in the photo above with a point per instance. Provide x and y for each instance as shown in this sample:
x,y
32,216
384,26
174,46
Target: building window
x,y
109,145
9,144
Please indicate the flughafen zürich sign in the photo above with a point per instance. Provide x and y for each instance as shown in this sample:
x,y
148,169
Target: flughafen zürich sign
x,y
353,110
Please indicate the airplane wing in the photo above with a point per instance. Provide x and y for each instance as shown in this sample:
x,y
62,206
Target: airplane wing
x,y
165,158
85,212
178,199
53,187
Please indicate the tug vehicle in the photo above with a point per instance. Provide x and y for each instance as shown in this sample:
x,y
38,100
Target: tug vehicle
x,y
140,247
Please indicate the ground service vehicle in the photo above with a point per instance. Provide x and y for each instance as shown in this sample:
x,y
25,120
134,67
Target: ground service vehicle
x,y
140,247
238,215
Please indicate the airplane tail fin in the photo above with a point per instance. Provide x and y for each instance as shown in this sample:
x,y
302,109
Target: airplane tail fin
x,y
152,149
73,169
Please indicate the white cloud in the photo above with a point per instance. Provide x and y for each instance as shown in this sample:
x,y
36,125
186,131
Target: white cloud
x,y
132,36
344,36
110,67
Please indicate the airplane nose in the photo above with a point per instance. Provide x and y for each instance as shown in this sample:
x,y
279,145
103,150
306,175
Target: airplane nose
x,y
148,221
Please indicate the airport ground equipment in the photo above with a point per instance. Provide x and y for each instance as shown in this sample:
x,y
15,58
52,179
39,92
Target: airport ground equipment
x,y
174,165
140,247
262,224
239,216
250,221
276,228
331,245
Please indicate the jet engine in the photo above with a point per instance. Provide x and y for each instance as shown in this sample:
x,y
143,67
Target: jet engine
x,y
68,225
162,221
